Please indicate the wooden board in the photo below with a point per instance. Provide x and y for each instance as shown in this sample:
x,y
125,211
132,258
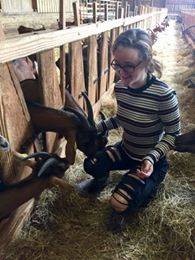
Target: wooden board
x,y
50,90
92,70
77,72
103,63
15,126
113,35
25,45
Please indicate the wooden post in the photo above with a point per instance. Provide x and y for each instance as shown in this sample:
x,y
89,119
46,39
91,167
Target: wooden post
x,y
125,9
120,15
50,92
62,52
110,58
106,12
104,64
77,20
95,12
76,57
116,10
128,10
15,126
92,88
34,5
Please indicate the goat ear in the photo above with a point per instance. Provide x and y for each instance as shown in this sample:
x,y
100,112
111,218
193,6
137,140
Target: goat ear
x,y
90,116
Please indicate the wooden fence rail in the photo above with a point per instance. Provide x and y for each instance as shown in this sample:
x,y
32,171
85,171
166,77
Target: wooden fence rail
x,y
24,45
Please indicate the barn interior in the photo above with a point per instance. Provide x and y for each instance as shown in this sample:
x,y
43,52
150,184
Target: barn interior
x,y
56,222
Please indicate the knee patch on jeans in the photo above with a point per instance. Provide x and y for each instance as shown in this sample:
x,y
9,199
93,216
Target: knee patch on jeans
x,y
128,189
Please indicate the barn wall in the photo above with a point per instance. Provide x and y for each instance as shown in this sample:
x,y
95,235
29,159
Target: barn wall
x,y
40,6
52,6
16,6
45,6
175,6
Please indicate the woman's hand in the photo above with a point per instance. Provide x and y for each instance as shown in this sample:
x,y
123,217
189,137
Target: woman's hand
x,y
145,170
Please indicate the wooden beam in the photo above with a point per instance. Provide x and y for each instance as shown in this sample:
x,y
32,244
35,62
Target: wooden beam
x,y
15,126
103,64
50,90
113,35
77,81
95,12
25,45
77,71
77,18
62,14
92,70
106,12
116,10
62,51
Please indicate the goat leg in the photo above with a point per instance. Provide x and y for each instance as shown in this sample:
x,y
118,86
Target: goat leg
x,y
55,181
12,198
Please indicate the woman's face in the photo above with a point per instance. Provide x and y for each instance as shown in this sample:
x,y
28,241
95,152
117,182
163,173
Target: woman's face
x,y
129,66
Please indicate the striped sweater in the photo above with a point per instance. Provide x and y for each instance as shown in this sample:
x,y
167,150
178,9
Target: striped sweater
x,y
149,117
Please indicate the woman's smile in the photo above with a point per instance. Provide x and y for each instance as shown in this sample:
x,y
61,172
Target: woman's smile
x,y
133,75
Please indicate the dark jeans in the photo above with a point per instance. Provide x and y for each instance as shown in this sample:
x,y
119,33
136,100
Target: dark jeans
x,y
143,191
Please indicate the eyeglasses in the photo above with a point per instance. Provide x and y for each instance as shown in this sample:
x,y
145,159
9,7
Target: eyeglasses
x,y
128,68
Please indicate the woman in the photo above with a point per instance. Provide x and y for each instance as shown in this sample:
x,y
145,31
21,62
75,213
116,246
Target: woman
x,y
149,116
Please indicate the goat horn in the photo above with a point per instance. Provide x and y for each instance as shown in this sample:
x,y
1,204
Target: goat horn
x,y
89,109
46,165
43,155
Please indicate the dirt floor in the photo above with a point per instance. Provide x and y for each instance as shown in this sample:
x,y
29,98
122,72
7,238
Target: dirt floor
x,y
65,226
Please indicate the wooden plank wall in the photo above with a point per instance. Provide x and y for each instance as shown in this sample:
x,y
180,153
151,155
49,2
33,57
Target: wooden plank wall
x,y
45,6
52,6
16,6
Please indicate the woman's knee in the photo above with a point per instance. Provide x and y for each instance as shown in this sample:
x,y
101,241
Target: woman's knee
x,y
119,202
